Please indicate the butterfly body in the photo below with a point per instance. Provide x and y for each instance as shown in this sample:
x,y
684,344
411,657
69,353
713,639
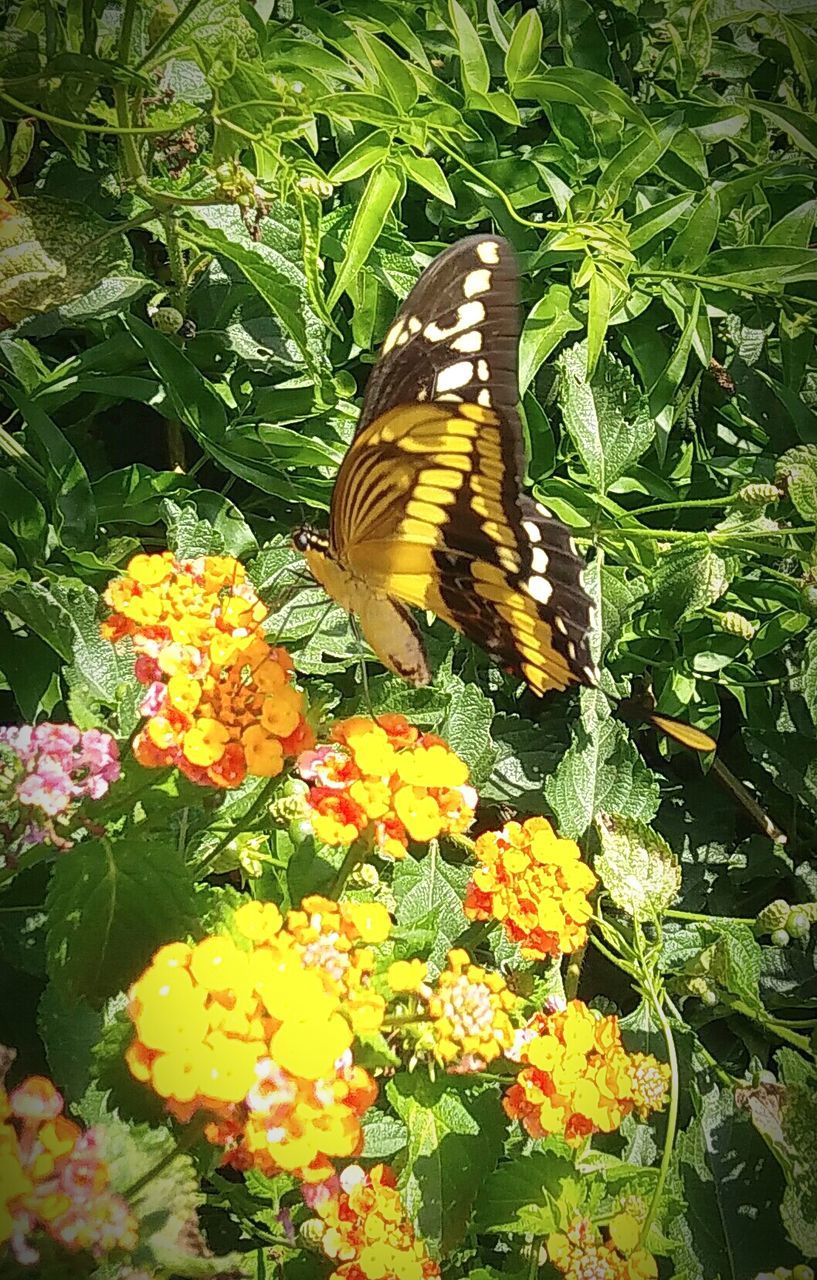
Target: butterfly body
x,y
428,511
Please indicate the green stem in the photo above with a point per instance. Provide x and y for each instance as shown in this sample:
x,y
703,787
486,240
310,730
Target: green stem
x,y
116,129
167,34
355,855
685,504
672,1115
178,266
777,1028
694,915
253,811
574,972
12,447
189,1138
490,186
713,282
701,1049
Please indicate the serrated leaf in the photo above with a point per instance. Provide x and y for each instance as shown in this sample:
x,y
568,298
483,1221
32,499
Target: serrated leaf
x,y
798,468
807,678
607,417
111,903
467,727
601,772
521,1195
455,1137
689,577
786,1118
207,524
383,1135
52,251
639,869
429,892
526,754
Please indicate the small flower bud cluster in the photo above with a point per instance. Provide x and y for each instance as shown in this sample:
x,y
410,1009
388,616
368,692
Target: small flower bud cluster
x,y
361,1225
53,1179
220,702
535,884
260,1034
583,1251
46,771
387,781
577,1078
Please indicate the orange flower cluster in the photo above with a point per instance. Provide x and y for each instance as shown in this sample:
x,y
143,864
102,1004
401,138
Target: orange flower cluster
x,y
535,884
582,1251
54,1180
470,1008
260,1035
220,702
387,780
577,1078
362,1226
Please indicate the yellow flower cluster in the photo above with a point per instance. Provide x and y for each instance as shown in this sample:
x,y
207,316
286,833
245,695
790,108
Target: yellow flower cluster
x,y
219,701
54,1180
260,1035
577,1078
470,1009
582,1251
385,779
362,1226
535,884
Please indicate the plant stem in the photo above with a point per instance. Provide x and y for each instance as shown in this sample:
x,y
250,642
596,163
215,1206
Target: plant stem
x,y
253,811
683,504
143,131
694,915
672,1115
189,1138
777,1028
355,855
167,34
573,972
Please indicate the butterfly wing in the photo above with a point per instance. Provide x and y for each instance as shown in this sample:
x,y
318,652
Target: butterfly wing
x,y
427,507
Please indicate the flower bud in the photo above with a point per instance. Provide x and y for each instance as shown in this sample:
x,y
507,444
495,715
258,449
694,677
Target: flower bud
x,y
808,599
758,494
773,916
780,938
167,319
734,624
798,923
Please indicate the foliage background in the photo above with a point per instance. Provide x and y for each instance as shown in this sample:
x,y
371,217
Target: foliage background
x,y
215,211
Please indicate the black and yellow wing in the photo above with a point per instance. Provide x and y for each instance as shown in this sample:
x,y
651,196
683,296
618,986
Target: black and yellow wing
x,y
427,507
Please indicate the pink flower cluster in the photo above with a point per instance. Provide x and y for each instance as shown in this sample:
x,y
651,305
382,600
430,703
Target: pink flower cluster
x,y
54,1179
46,770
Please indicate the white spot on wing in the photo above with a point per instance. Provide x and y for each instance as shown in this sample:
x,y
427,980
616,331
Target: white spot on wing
x,y
532,530
454,376
468,342
414,325
484,398
477,282
560,626
539,588
539,560
488,252
543,510
451,397
392,336
483,372
402,338
468,315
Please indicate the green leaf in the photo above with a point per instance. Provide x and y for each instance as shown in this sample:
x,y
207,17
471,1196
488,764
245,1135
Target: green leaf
x,y
381,191
525,49
795,227
360,158
690,577
732,1188
394,73
524,1195
598,317
430,892
580,87
474,70
637,866
785,1116
66,478
69,1030
690,247
801,128
22,517
760,264
110,905
207,524
797,468
271,265
601,772
455,1137
607,417
52,251
635,159
426,172
807,678
548,322
467,727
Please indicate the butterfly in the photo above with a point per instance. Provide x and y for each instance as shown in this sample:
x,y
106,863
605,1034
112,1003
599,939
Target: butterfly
x,y
428,510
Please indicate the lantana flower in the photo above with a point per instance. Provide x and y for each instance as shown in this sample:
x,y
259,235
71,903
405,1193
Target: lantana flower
x,y
362,1226
535,884
582,1250
47,771
219,700
53,1179
384,780
470,1010
577,1078
260,1036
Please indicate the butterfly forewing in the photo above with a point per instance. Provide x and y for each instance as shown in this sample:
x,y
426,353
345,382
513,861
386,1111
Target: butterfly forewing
x,y
427,507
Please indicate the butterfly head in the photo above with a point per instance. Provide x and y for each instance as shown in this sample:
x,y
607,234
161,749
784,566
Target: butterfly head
x,y
305,538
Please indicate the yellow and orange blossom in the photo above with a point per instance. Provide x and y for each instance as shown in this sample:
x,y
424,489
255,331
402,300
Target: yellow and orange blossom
x,y
219,700
259,1034
469,1009
577,1078
534,883
582,1251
